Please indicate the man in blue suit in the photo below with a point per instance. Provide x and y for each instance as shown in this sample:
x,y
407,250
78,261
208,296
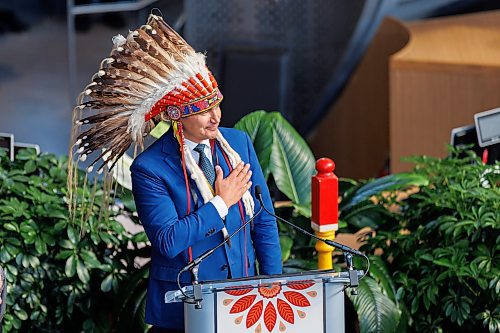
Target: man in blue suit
x,y
193,187
160,195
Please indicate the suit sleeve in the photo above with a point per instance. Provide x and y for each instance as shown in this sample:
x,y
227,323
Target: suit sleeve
x,y
169,233
265,233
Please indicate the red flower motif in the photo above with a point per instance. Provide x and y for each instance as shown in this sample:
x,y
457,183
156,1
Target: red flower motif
x,y
269,311
255,313
243,303
300,285
270,316
238,292
296,298
285,311
270,290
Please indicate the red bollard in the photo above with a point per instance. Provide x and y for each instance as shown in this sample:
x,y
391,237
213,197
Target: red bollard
x,y
325,211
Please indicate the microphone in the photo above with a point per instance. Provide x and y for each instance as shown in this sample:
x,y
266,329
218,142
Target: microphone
x,y
343,248
193,265
348,252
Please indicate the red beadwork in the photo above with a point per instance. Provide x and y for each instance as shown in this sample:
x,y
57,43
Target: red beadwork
x,y
204,82
212,79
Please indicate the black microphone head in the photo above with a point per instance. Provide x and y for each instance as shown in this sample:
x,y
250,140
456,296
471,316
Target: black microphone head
x,y
258,191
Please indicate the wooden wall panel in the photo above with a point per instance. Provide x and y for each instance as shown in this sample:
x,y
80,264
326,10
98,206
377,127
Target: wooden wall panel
x,y
449,71
355,132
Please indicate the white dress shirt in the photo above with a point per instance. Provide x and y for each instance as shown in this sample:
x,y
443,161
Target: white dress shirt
x,y
217,201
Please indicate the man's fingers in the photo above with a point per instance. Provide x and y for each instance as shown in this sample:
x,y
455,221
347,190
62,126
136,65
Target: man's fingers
x,y
218,173
236,171
244,171
247,176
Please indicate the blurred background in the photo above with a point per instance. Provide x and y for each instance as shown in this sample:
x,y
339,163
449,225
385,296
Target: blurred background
x,y
339,71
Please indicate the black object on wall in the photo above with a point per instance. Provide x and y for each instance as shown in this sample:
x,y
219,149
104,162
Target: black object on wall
x,y
466,136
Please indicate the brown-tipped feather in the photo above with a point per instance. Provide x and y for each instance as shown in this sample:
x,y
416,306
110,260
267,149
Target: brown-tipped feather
x,y
117,141
125,74
108,103
171,35
97,135
102,116
138,72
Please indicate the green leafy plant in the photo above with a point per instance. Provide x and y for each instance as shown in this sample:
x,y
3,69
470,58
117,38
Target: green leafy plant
x,y
284,154
62,274
286,157
443,246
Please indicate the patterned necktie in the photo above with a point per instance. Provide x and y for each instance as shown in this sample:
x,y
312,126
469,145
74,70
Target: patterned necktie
x,y
209,172
205,164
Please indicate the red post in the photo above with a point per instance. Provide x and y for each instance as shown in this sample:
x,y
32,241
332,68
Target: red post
x,y
325,193
325,211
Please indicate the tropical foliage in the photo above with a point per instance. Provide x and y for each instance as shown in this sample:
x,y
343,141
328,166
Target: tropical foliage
x,y
377,306
63,275
436,236
443,246
284,154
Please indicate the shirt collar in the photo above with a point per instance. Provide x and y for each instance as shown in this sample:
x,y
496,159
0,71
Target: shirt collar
x,y
191,145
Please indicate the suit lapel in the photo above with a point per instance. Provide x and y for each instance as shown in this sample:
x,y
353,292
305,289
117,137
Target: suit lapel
x,y
222,161
173,159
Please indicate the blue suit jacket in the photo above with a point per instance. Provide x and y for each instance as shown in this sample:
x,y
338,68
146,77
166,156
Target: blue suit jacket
x,y
160,195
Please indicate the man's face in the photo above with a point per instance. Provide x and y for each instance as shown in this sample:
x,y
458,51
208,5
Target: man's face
x,y
202,126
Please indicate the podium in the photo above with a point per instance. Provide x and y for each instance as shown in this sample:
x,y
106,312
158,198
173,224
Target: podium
x,y
311,302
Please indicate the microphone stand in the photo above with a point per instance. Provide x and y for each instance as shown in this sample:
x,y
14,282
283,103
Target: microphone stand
x,y
197,296
353,275
348,252
193,266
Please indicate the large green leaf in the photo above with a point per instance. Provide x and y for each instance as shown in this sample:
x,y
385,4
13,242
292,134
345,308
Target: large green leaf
x,y
376,312
160,129
366,214
398,181
131,303
379,271
292,161
283,153
286,243
258,125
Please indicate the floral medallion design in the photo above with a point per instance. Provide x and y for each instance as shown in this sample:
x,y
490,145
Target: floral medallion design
x,y
270,306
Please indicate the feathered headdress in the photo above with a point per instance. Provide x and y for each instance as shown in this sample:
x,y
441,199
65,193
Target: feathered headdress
x,y
151,74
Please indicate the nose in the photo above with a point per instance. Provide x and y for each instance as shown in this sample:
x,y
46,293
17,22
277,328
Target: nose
x,y
214,116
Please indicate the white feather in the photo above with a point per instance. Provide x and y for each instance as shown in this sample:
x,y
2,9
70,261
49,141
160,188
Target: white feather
x,y
118,40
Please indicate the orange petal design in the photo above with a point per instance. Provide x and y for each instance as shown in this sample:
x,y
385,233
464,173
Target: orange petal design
x,y
270,316
227,301
238,292
237,321
296,298
300,285
242,304
285,311
255,313
282,327
312,293
258,329
269,290
301,314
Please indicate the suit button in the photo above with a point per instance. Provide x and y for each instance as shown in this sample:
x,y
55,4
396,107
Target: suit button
x,y
223,267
